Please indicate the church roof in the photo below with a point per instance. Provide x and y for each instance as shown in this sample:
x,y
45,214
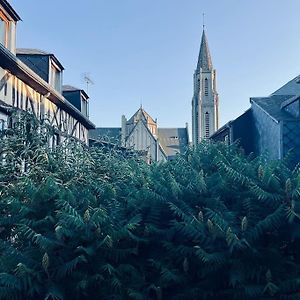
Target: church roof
x,y
204,59
173,140
141,114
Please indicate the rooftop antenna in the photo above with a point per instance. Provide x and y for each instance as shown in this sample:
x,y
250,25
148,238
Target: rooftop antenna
x,y
88,80
203,16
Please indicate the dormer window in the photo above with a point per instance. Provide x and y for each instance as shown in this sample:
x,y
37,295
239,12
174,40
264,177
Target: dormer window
x,y
55,77
84,107
78,98
4,23
44,64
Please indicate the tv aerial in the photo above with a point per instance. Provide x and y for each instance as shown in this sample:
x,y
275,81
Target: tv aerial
x,y
88,81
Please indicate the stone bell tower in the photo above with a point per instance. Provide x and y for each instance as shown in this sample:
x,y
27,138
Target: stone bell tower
x,y
205,103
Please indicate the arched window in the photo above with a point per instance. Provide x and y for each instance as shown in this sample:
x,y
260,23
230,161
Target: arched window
x,y
206,119
206,87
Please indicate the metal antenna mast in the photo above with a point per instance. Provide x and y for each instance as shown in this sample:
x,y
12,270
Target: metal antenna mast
x,y
87,79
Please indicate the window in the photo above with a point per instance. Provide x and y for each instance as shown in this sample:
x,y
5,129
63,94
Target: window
x,y
84,107
226,139
206,125
3,29
206,87
55,78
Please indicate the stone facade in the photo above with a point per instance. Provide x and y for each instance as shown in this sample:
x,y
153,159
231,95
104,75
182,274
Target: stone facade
x,y
142,134
205,103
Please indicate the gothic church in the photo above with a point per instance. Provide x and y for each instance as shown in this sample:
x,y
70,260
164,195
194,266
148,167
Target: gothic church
x,y
205,103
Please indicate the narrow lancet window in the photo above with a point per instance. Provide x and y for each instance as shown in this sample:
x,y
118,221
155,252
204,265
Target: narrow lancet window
x,y
206,125
206,87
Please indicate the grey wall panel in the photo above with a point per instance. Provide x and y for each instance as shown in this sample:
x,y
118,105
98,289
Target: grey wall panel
x,y
291,140
266,134
38,63
74,98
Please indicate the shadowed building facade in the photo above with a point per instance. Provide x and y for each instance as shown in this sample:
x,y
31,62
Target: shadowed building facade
x,y
205,103
270,126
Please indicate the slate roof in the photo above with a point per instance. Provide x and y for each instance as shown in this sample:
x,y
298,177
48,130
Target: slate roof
x,y
69,88
273,106
204,59
111,134
32,51
173,140
221,129
141,114
290,88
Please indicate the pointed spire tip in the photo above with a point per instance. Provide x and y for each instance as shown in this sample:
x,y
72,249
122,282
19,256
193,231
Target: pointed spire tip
x,y
204,59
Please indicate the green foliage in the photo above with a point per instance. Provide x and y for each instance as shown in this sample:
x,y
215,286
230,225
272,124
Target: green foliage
x,y
79,223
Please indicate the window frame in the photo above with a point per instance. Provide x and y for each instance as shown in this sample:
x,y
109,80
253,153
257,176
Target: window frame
x,y
55,78
4,18
84,105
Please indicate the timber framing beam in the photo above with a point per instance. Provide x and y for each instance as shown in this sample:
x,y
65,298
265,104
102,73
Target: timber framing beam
x,y
13,65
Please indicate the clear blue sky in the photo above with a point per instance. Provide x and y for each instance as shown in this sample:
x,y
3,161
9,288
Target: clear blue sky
x,y
146,51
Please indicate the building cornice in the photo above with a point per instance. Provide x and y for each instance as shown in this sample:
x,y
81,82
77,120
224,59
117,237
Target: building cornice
x,y
8,8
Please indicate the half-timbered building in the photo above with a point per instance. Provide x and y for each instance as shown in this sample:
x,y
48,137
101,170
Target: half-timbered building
x,y
31,80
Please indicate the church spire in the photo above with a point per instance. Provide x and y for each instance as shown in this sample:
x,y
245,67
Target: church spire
x,y
204,59
205,103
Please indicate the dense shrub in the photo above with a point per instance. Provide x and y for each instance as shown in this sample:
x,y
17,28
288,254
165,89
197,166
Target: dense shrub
x,y
79,223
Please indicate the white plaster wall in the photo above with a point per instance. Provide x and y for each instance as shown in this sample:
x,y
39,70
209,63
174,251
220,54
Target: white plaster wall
x,y
42,106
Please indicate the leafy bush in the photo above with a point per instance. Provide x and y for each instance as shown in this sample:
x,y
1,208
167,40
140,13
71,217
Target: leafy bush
x,y
79,223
